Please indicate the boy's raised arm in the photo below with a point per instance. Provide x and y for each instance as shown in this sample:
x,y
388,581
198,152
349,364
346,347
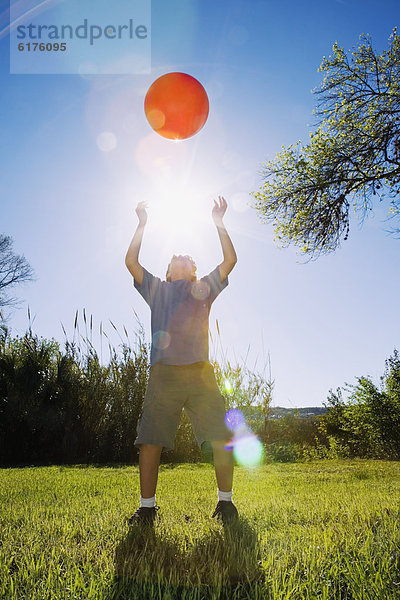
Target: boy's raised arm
x,y
132,255
228,250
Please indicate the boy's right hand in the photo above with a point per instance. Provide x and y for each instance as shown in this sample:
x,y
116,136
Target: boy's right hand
x,y
141,213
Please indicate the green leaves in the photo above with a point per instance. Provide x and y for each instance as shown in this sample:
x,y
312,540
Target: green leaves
x,y
352,154
368,424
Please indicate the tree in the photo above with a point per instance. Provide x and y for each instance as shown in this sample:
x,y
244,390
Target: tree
x,y
14,269
368,424
352,157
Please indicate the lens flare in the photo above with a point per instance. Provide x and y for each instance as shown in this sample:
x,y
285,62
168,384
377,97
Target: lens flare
x,y
156,118
248,450
106,141
234,419
228,386
200,290
161,339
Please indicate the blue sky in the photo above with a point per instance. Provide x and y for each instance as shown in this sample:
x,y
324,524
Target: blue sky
x,y
69,204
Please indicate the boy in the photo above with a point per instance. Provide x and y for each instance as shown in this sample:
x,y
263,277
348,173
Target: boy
x,y
181,375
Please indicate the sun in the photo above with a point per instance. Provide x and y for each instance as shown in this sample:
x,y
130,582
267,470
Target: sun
x,y
180,222
179,211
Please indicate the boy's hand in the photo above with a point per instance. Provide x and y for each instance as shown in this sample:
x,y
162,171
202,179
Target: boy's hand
x,y
141,213
219,209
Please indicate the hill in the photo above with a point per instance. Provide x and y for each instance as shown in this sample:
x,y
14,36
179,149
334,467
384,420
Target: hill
x,y
254,413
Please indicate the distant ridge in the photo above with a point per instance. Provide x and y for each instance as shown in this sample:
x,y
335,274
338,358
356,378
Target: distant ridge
x,y
277,412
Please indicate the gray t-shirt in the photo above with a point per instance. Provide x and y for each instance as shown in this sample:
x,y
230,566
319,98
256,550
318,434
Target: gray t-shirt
x,y
179,316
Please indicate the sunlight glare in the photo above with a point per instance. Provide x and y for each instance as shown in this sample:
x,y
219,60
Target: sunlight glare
x,y
248,450
178,209
158,157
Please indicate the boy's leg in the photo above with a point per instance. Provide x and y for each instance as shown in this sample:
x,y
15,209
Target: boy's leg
x,y
223,464
157,424
205,407
149,460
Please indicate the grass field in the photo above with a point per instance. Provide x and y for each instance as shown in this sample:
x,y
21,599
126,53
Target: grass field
x,y
326,529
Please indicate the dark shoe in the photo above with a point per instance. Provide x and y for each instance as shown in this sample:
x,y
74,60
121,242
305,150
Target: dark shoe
x,y
144,515
226,512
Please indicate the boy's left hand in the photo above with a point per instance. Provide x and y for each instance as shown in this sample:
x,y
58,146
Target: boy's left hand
x,y
219,209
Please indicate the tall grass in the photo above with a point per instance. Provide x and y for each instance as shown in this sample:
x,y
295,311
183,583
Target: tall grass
x,y
66,405
73,405
69,405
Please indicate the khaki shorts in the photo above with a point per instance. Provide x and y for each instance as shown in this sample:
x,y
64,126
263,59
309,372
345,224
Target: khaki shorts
x,y
172,388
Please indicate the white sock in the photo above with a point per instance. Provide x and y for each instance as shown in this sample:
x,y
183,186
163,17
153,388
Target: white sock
x,y
147,502
227,496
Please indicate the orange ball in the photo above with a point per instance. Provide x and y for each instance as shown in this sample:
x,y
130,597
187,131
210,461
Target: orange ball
x,y
176,106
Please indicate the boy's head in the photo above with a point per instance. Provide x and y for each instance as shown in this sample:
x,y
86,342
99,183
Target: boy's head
x,y
181,267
